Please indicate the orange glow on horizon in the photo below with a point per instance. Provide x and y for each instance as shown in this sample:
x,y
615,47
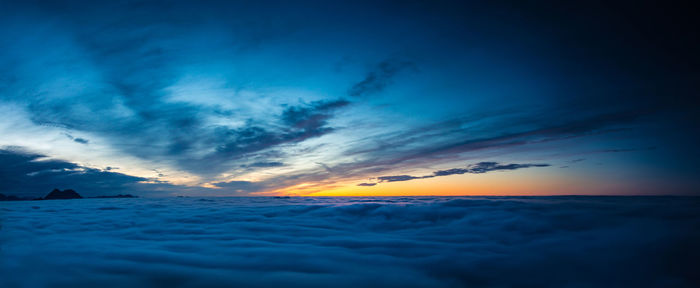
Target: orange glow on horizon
x,y
520,183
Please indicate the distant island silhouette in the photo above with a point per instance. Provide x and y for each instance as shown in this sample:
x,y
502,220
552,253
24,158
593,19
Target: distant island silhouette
x,y
65,194
57,194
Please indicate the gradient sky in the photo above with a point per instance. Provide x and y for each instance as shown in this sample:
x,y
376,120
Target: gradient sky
x,y
348,98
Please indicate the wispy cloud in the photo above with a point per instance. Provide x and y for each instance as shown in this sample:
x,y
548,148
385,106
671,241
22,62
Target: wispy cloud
x,y
379,77
398,178
478,168
77,139
366,184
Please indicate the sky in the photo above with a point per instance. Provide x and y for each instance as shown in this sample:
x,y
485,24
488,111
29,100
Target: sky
x,y
356,98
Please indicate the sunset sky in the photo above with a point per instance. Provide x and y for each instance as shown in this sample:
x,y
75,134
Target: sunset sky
x,y
333,98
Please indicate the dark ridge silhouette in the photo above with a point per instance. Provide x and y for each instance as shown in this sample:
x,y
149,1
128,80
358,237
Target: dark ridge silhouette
x,y
65,194
4,197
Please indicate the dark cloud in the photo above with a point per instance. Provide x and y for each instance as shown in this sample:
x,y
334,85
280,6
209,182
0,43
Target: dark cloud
x,y
311,117
30,174
302,123
452,171
398,178
379,77
77,139
265,164
483,167
366,184
625,150
478,168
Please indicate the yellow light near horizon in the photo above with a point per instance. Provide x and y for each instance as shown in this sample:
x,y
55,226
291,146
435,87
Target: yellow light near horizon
x,y
491,184
531,182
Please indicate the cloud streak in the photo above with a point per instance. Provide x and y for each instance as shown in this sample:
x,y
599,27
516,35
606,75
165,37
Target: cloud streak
x,y
379,77
484,135
478,168
77,139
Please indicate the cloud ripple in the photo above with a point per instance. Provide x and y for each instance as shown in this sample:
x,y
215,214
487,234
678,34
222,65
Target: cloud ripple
x,y
352,242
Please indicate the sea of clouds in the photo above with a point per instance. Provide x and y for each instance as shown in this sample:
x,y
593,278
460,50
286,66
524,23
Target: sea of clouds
x,y
352,242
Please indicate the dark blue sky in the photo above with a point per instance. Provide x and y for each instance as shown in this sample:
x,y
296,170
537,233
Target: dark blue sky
x,y
232,97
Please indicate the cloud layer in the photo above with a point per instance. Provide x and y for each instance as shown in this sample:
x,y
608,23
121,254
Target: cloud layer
x,y
352,242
